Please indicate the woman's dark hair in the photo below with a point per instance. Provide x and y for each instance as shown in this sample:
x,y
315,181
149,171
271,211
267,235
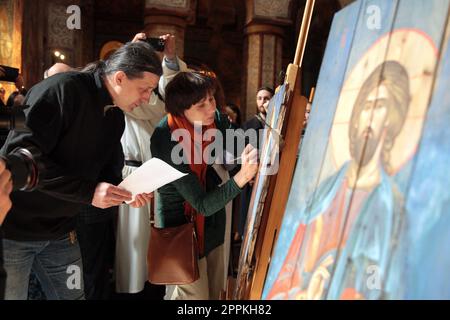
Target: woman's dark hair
x,y
23,91
186,89
133,58
12,96
10,101
236,109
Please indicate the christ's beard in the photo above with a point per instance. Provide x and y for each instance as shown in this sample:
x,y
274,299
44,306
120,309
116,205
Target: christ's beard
x,y
369,149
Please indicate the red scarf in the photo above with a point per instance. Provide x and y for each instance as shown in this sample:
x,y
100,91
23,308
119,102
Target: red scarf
x,y
197,167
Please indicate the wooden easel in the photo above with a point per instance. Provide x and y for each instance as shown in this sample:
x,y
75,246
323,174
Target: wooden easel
x,y
292,130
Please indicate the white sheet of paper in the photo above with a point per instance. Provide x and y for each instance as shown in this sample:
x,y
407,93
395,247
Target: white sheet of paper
x,y
150,176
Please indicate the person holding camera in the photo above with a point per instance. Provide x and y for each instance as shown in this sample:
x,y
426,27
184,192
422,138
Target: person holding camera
x,y
5,205
75,124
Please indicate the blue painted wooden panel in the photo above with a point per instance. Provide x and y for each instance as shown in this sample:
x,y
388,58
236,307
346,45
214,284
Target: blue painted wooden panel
x,y
350,228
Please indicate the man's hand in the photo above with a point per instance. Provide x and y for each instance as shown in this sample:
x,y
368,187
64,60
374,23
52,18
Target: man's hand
x,y
107,195
5,190
141,200
170,48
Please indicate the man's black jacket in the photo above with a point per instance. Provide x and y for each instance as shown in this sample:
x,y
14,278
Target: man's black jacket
x,y
74,125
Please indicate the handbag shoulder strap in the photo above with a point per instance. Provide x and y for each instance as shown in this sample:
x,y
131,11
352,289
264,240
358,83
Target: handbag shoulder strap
x,y
152,212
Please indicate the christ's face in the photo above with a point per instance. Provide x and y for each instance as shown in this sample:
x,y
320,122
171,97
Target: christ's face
x,y
372,123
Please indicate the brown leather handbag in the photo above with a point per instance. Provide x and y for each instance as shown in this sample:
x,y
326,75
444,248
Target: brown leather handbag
x,y
172,256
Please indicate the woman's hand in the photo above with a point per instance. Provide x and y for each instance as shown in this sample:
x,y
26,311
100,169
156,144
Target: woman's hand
x,y
249,166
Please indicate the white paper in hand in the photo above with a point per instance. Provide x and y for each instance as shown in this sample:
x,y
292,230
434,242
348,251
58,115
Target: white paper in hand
x,y
152,175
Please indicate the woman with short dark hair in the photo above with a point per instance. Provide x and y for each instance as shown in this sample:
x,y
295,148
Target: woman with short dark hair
x,y
192,115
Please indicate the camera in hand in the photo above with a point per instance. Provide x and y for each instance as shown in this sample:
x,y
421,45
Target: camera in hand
x,y
9,74
13,118
24,168
157,43
21,161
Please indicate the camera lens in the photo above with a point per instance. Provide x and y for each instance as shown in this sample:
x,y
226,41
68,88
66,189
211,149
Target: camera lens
x,y
24,169
13,118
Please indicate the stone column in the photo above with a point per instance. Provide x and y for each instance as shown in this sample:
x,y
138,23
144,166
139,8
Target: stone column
x,y
11,38
169,16
263,47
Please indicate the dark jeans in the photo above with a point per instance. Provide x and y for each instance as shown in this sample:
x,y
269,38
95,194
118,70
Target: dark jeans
x,y
56,263
97,245
35,291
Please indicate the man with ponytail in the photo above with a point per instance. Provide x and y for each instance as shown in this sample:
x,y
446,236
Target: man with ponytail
x,y
76,120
